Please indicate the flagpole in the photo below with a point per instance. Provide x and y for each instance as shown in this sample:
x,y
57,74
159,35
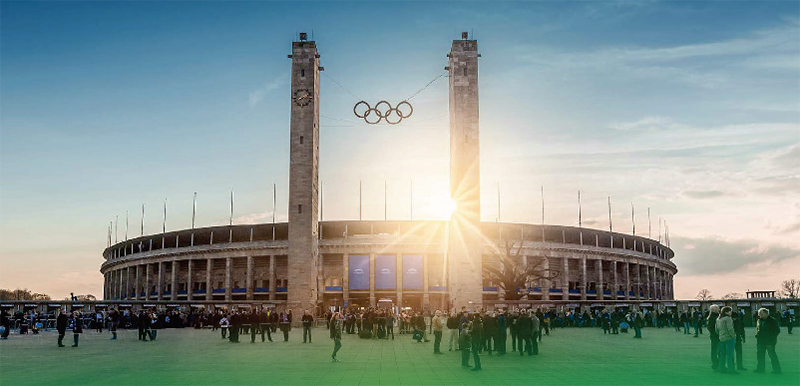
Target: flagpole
x,y
411,206
274,200
384,201
126,225
498,201
116,229
230,222
164,224
580,220
359,200
633,219
194,208
659,228
542,192
649,224
610,227
142,226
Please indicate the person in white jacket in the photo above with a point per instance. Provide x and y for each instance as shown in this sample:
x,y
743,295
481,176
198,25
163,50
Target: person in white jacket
x,y
727,341
224,323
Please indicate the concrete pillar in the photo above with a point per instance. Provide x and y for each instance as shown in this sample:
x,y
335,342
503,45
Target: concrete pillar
x,y
372,300
147,281
190,280
138,283
627,281
547,284
565,285
273,287
399,279
616,280
426,296
160,285
345,280
173,286
304,179
465,245
648,294
249,283
600,283
228,278
121,282
209,286
638,281
584,280
128,282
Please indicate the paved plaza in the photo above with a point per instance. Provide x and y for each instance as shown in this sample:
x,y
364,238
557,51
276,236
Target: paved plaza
x,y
576,356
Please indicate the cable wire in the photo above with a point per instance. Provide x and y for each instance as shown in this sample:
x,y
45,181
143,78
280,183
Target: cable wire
x,y
426,86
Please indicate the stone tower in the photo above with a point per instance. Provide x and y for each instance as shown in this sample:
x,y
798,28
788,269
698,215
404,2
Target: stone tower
x,y
303,290
464,244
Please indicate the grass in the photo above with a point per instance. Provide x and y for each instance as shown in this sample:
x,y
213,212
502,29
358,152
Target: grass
x,y
200,357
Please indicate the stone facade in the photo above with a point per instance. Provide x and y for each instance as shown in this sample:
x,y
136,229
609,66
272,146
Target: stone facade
x,y
303,254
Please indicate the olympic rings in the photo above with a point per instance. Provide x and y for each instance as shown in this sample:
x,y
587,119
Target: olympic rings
x,y
392,115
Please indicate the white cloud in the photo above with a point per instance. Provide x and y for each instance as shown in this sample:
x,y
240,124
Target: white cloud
x,y
259,94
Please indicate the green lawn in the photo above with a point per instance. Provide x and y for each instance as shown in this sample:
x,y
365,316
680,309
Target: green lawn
x,y
195,357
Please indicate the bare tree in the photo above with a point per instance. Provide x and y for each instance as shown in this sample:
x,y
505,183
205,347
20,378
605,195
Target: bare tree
x,y
733,295
790,288
704,294
21,294
512,277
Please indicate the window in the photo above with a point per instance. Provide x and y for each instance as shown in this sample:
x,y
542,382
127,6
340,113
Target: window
x,y
301,139
465,71
302,73
299,208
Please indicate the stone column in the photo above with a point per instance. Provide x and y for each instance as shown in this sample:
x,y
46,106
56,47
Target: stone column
x,y
600,282
147,289
398,267
565,285
160,285
209,285
616,280
627,281
189,280
372,300
228,278
638,281
138,283
119,290
584,280
128,282
173,286
648,294
273,287
546,284
249,278
426,296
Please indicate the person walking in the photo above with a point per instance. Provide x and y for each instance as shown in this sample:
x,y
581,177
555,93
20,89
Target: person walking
x,y
224,323
500,343
307,320
738,326
113,322
390,325
727,339
767,330
712,332
464,340
438,324
490,332
77,328
336,334
452,331
61,327
638,323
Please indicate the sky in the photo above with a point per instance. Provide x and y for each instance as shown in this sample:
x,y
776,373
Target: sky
x,y
691,109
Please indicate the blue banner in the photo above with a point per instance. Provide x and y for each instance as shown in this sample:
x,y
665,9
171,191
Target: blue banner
x,y
359,272
412,272
385,274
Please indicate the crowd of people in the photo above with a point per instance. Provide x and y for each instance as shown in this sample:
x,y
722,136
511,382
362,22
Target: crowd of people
x,y
472,333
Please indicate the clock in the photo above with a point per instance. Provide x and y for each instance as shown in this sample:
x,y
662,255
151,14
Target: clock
x,y
302,97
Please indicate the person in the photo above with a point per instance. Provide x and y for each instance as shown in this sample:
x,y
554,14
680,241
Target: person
x,y
255,326
638,323
286,325
61,327
307,320
438,324
464,342
390,325
536,331
500,344
512,323
236,326
336,334
224,323
727,339
98,320
113,322
264,325
155,324
477,340
490,332
767,331
77,328
143,323
712,332
5,324
524,331
788,321
738,326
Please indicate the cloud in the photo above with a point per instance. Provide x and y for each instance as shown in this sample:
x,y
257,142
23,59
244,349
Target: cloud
x,y
714,255
701,194
259,94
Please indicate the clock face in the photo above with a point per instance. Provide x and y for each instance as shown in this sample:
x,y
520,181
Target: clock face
x,y
302,97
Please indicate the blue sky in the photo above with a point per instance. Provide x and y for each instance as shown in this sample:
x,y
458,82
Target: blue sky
x,y
690,108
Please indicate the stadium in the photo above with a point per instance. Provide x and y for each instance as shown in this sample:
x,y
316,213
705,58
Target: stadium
x,y
310,264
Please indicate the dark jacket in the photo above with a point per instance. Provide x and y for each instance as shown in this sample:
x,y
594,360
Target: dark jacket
x,y
452,323
307,320
61,323
490,325
767,331
524,325
501,325
712,325
77,328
